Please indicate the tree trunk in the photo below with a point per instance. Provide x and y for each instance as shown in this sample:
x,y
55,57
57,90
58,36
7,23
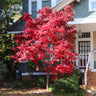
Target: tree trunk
x,y
5,84
47,85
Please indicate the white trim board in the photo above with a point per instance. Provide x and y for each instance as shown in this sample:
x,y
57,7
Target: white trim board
x,y
86,20
92,54
15,32
33,73
61,5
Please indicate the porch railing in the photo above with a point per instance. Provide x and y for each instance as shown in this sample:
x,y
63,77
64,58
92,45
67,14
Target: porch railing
x,y
85,73
83,59
84,63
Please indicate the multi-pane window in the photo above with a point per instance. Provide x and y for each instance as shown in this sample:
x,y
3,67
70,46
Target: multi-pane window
x,y
35,5
84,35
92,5
46,3
84,46
34,10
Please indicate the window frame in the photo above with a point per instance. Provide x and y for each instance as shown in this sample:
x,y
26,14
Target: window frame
x,y
32,9
45,1
90,5
39,5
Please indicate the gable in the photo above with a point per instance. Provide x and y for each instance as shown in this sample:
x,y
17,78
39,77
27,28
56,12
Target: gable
x,y
82,9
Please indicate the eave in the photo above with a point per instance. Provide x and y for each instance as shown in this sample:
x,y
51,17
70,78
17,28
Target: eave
x,y
62,4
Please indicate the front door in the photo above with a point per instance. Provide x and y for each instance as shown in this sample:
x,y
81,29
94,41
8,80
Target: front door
x,y
84,49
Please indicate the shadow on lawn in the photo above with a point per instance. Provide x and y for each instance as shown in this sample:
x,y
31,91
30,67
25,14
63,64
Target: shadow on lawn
x,y
24,92
25,88
39,83
67,85
35,87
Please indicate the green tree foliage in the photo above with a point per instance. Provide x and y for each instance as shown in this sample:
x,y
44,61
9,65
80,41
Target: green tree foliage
x,y
8,10
3,70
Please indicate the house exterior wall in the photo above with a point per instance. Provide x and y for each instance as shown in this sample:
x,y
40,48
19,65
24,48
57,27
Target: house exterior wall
x,y
58,1
82,9
94,47
94,43
26,6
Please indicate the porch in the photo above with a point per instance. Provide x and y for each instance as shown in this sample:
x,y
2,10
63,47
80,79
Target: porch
x,y
85,42
83,60
84,64
86,48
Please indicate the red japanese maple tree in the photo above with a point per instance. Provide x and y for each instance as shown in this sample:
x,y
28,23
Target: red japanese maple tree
x,y
50,39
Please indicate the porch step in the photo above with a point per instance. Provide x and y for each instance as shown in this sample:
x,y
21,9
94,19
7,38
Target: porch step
x,y
90,93
91,80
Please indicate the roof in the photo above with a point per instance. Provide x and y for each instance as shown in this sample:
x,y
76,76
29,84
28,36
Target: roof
x,y
17,26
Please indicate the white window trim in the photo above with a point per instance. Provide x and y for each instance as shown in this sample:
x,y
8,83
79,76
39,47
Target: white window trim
x,y
90,5
53,3
39,5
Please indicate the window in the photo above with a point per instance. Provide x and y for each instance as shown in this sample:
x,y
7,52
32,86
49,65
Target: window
x,y
35,5
92,5
84,35
46,3
34,9
84,46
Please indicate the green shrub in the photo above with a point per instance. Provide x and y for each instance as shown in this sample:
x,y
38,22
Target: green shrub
x,y
42,82
68,85
34,83
3,70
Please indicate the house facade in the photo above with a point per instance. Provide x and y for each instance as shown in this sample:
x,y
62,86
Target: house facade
x,y
84,20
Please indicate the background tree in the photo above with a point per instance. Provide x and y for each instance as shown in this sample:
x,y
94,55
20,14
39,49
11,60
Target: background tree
x,y
3,70
8,9
50,39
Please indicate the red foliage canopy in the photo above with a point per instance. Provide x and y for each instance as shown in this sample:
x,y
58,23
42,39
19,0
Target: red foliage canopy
x,y
48,38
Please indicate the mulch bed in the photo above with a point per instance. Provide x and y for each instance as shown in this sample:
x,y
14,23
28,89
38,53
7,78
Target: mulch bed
x,y
25,92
